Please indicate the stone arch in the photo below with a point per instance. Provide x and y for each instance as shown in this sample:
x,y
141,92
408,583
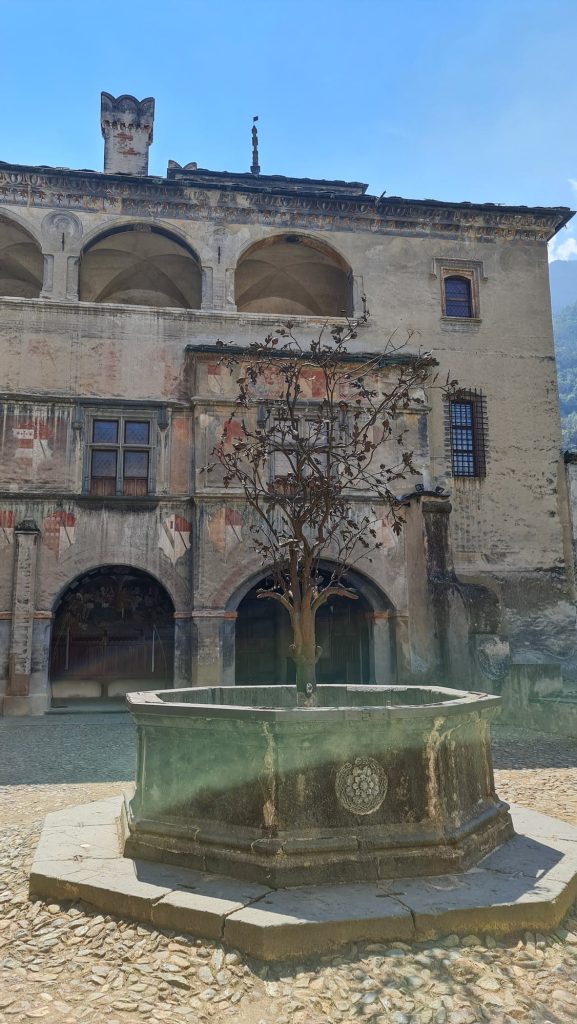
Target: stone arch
x,y
21,259
357,637
9,214
294,275
76,571
140,264
113,631
372,591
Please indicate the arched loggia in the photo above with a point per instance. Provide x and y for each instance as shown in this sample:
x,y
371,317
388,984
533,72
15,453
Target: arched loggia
x,y
293,275
346,631
113,632
140,264
21,262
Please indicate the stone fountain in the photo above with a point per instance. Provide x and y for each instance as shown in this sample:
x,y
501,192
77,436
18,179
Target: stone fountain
x,y
372,782
286,831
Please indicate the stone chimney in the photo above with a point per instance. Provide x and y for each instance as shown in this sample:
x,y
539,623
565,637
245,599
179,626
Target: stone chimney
x,y
126,125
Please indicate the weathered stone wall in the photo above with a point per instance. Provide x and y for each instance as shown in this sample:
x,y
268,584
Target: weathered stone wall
x,y
64,360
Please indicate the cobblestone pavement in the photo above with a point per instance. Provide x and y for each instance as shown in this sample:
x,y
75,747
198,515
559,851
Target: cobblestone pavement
x,y
66,963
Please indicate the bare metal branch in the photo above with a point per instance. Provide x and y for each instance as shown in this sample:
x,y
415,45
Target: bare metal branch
x,y
307,468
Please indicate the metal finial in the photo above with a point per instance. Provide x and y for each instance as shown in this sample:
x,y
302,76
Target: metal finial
x,y
255,166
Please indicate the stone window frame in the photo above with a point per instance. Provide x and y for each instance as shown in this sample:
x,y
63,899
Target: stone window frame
x,y
122,414
306,415
472,271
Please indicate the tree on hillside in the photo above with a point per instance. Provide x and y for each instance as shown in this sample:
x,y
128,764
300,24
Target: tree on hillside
x,y
306,448
565,332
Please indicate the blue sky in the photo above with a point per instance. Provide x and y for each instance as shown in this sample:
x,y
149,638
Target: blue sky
x,y
421,98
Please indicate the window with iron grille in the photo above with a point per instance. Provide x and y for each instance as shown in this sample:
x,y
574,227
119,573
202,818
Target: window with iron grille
x,y
467,434
119,457
458,297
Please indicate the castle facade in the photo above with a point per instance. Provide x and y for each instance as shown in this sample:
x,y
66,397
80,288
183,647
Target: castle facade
x,y
125,564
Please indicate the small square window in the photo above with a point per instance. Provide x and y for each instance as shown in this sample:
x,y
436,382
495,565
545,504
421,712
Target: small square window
x,y
103,463
103,472
135,477
136,432
105,431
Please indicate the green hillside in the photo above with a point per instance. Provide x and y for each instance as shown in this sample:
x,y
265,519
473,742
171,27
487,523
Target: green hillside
x,y
565,329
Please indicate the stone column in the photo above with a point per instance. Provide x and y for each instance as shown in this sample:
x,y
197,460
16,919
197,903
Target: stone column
x,y
429,575
219,284
229,648
208,647
383,661
207,299
17,699
440,574
229,303
61,241
182,649
39,692
359,301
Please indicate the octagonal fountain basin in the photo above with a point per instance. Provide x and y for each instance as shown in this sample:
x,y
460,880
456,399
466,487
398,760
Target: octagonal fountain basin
x,y
373,782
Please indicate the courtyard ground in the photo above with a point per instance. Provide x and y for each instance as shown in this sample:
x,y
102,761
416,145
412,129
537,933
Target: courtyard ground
x,y
68,963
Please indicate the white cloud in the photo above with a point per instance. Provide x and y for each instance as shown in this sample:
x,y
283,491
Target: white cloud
x,y
562,250
564,247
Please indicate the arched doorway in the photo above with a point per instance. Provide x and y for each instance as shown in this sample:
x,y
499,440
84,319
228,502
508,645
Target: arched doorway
x,y
113,632
344,631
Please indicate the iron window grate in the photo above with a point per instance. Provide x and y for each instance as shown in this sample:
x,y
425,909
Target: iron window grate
x,y
467,434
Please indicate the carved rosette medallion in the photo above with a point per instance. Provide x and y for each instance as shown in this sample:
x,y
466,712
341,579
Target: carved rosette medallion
x,y
361,786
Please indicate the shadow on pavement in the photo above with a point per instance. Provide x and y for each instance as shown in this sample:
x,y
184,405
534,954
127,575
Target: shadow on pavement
x,y
97,747
61,749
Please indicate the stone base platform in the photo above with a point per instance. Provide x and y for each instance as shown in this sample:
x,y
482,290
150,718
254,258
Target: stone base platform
x,y
528,883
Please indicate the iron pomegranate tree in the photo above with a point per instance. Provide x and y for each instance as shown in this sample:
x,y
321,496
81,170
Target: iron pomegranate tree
x,y
306,447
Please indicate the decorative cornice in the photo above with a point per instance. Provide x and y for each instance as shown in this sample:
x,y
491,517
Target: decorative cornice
x,y
130,196
237,351
46,398
68,499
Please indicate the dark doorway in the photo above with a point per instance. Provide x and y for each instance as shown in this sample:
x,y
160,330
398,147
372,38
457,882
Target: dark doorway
x,y
263,639
113,632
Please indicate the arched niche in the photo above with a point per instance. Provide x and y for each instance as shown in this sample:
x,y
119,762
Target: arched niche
x,y
140,265
293,275
113,632
353,652
21,261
